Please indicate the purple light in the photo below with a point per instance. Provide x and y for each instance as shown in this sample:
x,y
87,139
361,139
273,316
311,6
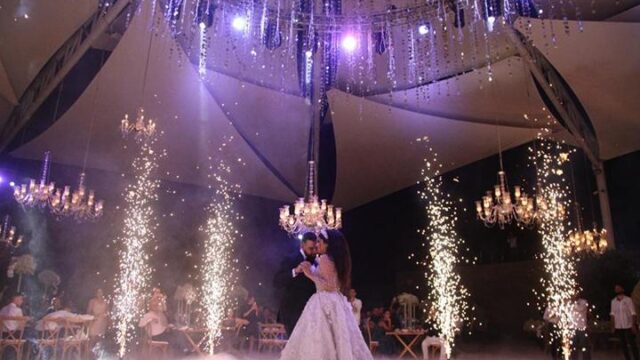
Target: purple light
x,y
423,29
239,23
349,43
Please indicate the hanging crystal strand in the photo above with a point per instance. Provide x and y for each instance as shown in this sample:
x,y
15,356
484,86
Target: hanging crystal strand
x,y
263,19
371,70
578,15
391,70
292,23
412,57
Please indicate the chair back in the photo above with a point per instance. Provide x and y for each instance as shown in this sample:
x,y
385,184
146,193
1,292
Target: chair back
x,y
16,322
75,329
50,329
272,331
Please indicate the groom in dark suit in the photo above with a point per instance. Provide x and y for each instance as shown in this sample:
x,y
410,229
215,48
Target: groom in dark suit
x,y
293,286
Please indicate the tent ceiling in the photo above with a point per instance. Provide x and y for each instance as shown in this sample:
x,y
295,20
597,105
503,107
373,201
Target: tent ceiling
x,y
471,97
604,77
377,152
249,97
32,30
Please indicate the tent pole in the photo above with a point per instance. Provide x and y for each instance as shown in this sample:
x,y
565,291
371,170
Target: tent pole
x,y
605,208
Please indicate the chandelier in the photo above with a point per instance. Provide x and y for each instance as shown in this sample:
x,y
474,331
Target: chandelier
x,y
592,242
310,214
36,194
80,205
141,127
8,234
498,207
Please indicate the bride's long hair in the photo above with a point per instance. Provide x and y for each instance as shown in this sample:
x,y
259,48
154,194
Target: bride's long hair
x,y
338,251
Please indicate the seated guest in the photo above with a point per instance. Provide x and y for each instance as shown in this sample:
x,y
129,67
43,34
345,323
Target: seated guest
x,y
432,338
13,309
250,313
54,305
386,342
268,316
156,325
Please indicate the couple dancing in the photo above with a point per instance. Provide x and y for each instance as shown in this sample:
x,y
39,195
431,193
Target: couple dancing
x,y
321,325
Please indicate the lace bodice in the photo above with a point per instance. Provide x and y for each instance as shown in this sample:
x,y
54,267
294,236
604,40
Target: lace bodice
x,y
324,275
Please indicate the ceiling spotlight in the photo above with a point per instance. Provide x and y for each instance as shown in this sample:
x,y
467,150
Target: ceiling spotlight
x,y
12,184
423,29
349,43
239,23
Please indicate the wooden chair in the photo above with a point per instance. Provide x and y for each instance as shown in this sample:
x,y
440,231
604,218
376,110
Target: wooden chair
x,y
151,347
75,337
373,345
272,336
13,339
48,336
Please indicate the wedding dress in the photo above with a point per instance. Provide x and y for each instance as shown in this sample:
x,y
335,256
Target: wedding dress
x,y
327,329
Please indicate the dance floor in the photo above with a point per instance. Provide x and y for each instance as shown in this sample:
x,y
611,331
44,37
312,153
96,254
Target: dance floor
x,y
505,351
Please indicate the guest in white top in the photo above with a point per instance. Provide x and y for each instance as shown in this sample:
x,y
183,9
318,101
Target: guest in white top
x,y
13,309
624,322
156,325
580,339
356,305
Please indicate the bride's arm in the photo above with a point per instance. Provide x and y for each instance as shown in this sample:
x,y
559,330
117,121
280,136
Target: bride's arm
x,y
320,274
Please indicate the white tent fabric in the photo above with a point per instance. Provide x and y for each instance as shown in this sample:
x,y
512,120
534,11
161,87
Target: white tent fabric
x,y
6,90
601,65
194,125
32,30
377,150
472,97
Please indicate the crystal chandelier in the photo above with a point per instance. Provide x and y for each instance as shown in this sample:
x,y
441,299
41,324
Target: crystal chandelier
x,y
141,127
310,214
587,242
498,207
8,235
80,205
36,194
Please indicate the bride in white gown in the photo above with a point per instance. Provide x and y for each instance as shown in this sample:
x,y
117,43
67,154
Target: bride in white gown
x,y
327,329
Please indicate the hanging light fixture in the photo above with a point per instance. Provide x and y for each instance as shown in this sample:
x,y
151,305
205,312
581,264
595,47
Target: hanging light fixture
x,y
80,205
36,194
142,128
309,213
8,235
579,241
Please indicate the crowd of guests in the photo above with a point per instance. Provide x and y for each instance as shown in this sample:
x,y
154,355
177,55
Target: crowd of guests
x,y
54,318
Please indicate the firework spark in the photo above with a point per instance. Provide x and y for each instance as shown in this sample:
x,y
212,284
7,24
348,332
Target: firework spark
x,y
219,273
137,233
560,285
447,295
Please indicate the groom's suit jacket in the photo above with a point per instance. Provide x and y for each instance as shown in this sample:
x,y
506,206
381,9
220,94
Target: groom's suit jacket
x,y
294,291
